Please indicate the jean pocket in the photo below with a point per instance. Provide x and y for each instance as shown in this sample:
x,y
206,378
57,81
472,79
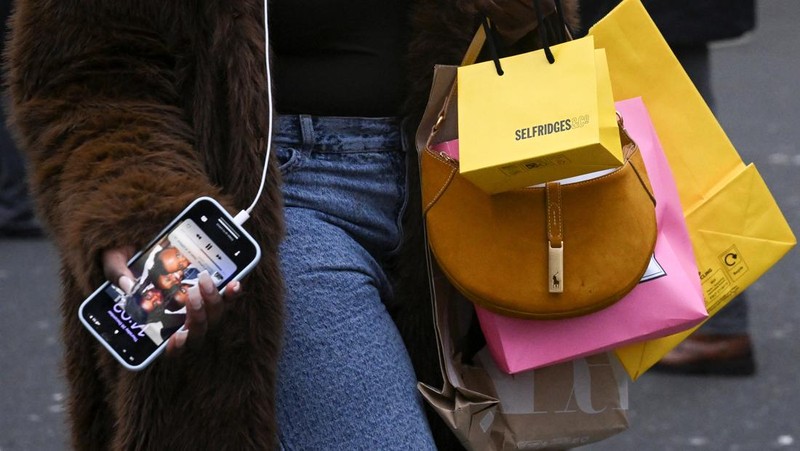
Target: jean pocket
x,y
288,158
403,181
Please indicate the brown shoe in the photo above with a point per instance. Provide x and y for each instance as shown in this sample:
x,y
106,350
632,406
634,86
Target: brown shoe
x,y
724,355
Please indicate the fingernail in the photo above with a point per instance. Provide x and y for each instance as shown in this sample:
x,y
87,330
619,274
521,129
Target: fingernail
x,y
180,338
235,286
195,300
126,283
206,284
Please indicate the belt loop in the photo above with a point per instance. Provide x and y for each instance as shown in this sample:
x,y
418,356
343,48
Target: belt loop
x,y
307,130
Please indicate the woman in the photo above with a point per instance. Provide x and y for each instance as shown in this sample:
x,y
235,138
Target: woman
x,y
128,110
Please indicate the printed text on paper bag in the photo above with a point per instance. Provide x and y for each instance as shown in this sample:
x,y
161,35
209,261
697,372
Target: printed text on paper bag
x,y
552,127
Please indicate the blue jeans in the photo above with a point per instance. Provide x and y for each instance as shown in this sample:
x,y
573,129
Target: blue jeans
x,y
345,380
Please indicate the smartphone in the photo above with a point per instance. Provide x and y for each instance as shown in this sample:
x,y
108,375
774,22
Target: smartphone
x,y
135,326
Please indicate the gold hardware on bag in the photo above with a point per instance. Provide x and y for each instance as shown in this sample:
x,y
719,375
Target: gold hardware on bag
x,y
556,265
555,238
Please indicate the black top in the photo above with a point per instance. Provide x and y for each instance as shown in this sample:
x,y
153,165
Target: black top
x,y
338,57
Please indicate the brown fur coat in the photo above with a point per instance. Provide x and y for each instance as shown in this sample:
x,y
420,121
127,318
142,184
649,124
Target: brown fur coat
x,y
128,110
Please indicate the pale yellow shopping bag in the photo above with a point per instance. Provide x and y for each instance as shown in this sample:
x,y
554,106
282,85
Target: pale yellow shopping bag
x,y
737,229
537,122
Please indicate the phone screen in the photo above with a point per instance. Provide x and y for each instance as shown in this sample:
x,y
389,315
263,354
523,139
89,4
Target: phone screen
x,y
136,324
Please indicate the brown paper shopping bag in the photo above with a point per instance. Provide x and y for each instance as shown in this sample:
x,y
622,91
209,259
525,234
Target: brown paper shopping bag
x,y
737,229
558,407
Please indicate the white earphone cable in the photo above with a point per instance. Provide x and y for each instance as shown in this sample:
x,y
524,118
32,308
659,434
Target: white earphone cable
x,y
244,215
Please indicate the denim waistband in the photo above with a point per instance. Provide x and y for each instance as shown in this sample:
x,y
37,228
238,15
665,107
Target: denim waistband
x,y
339,134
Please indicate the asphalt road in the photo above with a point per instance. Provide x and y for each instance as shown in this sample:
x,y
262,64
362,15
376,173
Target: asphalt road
x,y
756,83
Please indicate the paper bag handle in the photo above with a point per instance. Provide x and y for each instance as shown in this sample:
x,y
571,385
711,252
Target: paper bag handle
x,y
471,56
562,34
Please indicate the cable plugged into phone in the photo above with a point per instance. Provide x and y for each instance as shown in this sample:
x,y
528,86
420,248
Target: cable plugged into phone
x,y
244,215
241,217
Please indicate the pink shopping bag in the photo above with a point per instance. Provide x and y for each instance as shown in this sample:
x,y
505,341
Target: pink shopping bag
x,y
669,299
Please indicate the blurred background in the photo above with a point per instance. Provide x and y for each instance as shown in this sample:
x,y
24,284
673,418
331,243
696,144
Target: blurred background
x,y
755,81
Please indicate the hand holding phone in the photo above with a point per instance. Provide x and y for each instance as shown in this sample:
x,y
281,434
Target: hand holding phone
x,y
174,285
211,304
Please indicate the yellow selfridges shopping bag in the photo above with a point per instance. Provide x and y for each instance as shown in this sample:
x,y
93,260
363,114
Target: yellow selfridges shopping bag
x,y
737,230
537,122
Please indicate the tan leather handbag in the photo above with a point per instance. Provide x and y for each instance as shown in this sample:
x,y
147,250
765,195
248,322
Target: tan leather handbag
x,y
549,252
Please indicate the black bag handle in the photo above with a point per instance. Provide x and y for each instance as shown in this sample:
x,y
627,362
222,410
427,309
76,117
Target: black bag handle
x,y
492,40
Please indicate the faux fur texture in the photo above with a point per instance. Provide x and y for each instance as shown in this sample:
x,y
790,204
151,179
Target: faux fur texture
x,y
128,110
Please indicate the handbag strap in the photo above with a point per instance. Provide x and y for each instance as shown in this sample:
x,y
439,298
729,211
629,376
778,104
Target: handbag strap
x,y
474,49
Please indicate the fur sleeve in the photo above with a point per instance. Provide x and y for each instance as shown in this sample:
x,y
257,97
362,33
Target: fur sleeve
x,y
95,106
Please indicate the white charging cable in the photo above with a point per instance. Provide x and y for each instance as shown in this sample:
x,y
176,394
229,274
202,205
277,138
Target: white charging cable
x,y
244,215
